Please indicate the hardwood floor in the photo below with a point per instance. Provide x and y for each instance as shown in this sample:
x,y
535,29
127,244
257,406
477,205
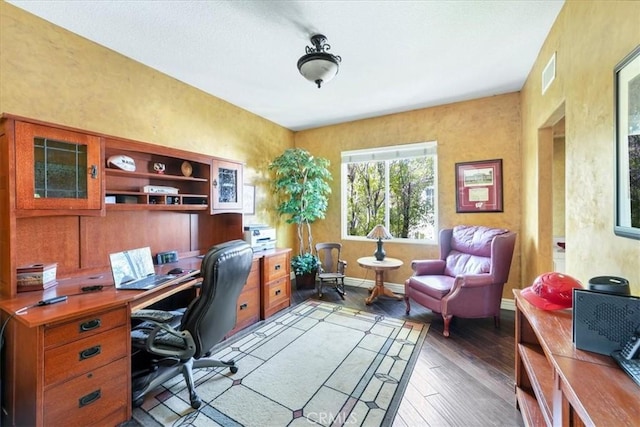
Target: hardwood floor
x,y
464,380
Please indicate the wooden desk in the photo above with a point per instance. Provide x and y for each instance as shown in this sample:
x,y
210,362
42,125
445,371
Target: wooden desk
x,y
380,267
559,385
69,363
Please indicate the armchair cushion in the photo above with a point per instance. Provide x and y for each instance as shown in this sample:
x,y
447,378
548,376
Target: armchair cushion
x,y
474,239
459,263
471,249
434,286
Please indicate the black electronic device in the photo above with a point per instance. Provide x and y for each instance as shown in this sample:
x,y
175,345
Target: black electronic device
x,y
628,357
602,321
610,284
166,257
176,270
53,300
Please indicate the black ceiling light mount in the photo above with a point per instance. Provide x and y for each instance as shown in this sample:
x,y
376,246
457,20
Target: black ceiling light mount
x,y
318,65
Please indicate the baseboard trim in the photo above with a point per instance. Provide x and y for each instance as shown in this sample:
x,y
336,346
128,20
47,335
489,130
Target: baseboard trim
x,y
505,303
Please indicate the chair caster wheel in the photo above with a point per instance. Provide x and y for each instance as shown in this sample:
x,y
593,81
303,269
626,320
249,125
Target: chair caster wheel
x,y
137,402
195,403
233,369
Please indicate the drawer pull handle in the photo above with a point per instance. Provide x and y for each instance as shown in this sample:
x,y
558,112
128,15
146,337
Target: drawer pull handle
x,y
90,325
89,398
90,352
278,292
277,267
243,306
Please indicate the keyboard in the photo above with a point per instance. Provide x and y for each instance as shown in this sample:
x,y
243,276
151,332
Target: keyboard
x,y
630,366
146,282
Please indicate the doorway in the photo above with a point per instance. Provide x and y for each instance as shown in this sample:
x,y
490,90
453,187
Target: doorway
x,y
551,193
558,197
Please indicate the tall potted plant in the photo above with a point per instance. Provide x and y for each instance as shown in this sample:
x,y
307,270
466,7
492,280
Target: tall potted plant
x,y
301,185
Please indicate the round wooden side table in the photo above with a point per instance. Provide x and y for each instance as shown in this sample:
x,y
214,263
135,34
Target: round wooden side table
x,y
380,267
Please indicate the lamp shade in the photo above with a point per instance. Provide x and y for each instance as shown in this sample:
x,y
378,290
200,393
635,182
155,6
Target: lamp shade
x,y
318,65
379,232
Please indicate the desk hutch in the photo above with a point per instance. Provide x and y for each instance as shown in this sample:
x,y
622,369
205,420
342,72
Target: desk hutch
x,y
69,363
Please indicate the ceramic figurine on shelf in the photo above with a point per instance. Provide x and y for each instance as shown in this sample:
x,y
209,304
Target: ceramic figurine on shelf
x,y
159,167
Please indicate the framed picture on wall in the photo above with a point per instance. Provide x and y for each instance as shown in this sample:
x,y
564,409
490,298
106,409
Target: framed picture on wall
x,y
627,142
249,200
479,186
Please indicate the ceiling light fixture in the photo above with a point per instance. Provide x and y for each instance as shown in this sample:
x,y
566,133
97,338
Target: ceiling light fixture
x,y
318,65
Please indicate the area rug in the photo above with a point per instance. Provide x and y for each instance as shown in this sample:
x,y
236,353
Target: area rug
x,y
315,364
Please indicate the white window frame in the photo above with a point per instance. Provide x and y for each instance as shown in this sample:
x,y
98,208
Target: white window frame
x,y
394,152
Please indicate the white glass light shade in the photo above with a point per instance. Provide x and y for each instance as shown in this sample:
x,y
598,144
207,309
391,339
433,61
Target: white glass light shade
x,y
318,67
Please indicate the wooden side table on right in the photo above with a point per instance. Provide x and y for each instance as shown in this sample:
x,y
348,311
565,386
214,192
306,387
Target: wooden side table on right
x,y
380,267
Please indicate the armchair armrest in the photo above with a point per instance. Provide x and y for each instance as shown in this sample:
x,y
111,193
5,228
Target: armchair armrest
x,y
475,280
422,267
469,281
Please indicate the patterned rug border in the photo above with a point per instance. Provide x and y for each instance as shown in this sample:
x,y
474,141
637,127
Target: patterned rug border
x,y
143,418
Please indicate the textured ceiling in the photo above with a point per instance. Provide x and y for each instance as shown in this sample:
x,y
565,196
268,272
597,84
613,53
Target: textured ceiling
x,y
396,55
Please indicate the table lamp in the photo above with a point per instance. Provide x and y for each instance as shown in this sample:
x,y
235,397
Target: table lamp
x,y
379,232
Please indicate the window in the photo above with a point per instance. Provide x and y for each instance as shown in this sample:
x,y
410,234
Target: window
x,y
395,186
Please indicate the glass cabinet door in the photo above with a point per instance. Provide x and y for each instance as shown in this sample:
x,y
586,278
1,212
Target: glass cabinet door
x,y
57,169
226,186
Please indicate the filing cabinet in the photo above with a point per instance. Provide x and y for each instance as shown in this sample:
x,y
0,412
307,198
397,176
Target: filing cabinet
x,y
276,282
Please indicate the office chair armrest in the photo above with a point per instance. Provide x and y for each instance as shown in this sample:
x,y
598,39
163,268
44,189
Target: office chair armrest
x,y
155,316
185,336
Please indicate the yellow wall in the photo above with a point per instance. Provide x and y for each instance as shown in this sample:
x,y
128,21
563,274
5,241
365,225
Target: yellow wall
x,y
589,38
53,75
482,129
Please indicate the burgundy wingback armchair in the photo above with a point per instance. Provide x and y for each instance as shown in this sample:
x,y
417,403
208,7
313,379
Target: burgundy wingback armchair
x,y
468,278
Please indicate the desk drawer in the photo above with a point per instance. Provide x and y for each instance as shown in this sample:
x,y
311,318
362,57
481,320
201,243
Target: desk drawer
x,y
253,281
89,398
275,267
277,292
248,306
67,361
85,327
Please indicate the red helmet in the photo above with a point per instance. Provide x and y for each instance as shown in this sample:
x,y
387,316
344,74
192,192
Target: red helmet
x,y
551,291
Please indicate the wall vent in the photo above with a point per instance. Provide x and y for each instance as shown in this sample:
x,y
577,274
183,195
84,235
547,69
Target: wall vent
x,y
549,73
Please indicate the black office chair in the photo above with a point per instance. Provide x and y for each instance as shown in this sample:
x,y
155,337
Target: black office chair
x,y
184,341
330,267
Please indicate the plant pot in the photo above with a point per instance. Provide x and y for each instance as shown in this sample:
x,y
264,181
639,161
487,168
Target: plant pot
x,y
306,281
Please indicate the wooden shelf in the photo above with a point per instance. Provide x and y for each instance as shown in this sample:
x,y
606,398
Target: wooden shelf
x,y
158,176
528,405
151,207
157,201
540,377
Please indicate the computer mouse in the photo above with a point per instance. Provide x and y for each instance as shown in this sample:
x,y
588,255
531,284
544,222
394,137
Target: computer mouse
x,y
176,270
